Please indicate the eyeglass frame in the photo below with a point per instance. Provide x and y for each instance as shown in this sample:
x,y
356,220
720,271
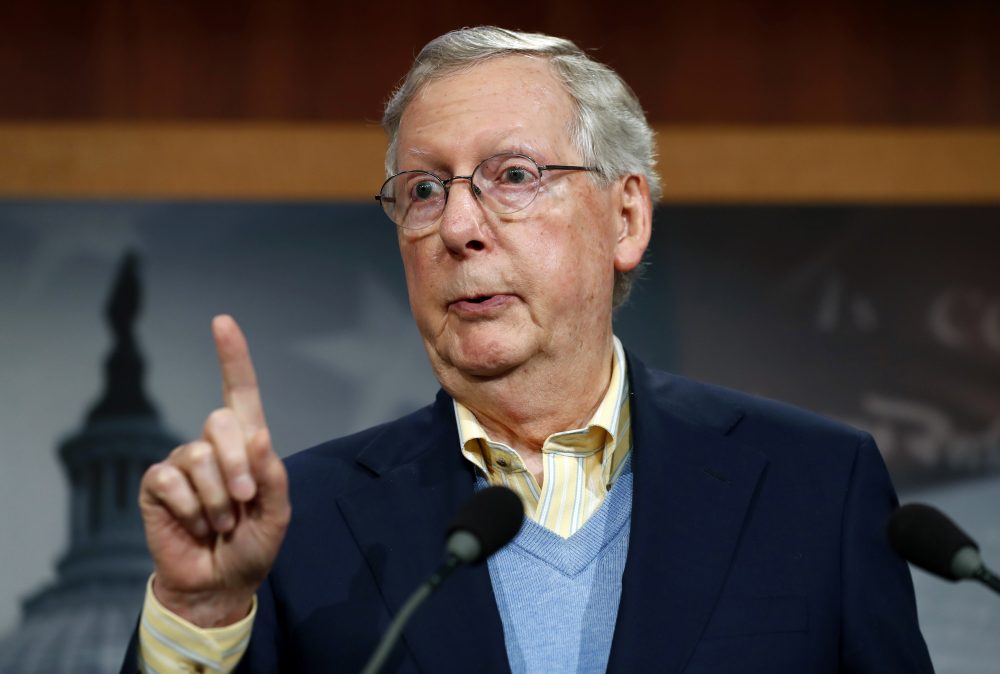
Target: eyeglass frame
x,y
476,191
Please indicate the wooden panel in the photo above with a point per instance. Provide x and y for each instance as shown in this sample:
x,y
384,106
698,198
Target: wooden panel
x,y
266,161
339,161
719,61
832,164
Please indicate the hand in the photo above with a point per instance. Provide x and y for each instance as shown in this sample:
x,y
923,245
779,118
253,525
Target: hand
x,y
216,509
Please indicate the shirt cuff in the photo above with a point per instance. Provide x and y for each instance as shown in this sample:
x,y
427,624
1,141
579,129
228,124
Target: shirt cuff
x,y
169,643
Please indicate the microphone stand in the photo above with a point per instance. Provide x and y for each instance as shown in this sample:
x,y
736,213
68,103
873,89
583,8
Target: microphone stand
x,y
487,522
987,578
395,630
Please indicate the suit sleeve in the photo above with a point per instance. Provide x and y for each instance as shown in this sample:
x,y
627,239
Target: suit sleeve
x,y
264,651
879,627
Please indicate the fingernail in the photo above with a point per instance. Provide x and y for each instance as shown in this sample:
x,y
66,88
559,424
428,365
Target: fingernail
x,y
201,528
243,487
224,522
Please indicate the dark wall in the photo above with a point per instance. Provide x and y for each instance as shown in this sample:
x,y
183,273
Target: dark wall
x,y
728,61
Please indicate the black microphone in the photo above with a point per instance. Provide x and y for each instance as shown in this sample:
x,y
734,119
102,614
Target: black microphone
x,y
926,537
487,522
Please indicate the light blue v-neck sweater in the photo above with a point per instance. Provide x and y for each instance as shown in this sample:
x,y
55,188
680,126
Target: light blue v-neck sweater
x,y
558,598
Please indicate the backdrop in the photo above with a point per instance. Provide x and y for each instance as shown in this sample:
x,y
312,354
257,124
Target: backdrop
x,y
886,317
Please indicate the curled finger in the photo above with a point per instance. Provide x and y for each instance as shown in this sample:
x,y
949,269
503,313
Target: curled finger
x,y
224,432
168,488
202,467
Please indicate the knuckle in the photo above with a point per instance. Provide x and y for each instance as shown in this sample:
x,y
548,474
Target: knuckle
x,y
167,485
199,453
219,421
159,477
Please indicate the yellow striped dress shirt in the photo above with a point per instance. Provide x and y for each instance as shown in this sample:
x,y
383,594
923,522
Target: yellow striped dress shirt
x,y
579,467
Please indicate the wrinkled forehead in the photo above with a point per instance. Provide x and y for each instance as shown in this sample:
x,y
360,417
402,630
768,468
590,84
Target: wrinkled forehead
x,y
504,103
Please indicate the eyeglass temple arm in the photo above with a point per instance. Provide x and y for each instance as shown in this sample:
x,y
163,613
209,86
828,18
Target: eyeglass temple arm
x,y
565,167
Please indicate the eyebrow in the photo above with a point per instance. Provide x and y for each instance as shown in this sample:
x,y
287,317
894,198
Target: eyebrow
x,y
436,166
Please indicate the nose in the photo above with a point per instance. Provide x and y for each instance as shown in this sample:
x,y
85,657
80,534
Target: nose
x,y
462,227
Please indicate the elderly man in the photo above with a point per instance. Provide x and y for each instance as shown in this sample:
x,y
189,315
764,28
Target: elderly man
x,y
671,526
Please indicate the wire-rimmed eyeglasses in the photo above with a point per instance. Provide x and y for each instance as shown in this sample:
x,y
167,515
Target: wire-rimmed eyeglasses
x,y
504,183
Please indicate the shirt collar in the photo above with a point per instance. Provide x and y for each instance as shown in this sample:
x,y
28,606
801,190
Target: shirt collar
x,y
608,416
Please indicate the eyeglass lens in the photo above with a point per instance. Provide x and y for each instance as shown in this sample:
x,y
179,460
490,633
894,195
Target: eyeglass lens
x,y
505,183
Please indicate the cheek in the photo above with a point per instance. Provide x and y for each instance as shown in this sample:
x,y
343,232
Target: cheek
x,y
583,251
419,279
567,269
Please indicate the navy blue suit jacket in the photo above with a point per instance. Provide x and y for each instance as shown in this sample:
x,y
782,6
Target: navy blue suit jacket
x,y
757,545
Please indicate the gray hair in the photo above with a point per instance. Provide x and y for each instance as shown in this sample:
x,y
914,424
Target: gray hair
x,y
609,128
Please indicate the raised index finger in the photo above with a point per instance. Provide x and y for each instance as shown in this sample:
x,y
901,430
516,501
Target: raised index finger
x,y
239,380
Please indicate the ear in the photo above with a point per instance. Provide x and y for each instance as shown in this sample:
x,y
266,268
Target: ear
x,y
635,224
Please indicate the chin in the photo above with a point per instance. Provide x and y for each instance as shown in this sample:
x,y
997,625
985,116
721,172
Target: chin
x,y
486,358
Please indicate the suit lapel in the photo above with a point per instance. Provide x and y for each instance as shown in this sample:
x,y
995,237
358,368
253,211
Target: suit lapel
x,y
693,486
399,522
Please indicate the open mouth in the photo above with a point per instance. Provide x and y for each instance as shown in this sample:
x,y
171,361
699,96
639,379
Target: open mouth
x,y
479,299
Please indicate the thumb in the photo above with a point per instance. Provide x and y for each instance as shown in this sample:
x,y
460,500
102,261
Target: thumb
x,y
270,475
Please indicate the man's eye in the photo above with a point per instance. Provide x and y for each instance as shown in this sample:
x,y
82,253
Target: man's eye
x,y
424,190
515,175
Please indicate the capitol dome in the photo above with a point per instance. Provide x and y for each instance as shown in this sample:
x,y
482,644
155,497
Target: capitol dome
x,y
81,623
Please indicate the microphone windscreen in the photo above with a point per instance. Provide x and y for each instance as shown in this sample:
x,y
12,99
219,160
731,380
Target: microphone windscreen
x,y
926,537
493,516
